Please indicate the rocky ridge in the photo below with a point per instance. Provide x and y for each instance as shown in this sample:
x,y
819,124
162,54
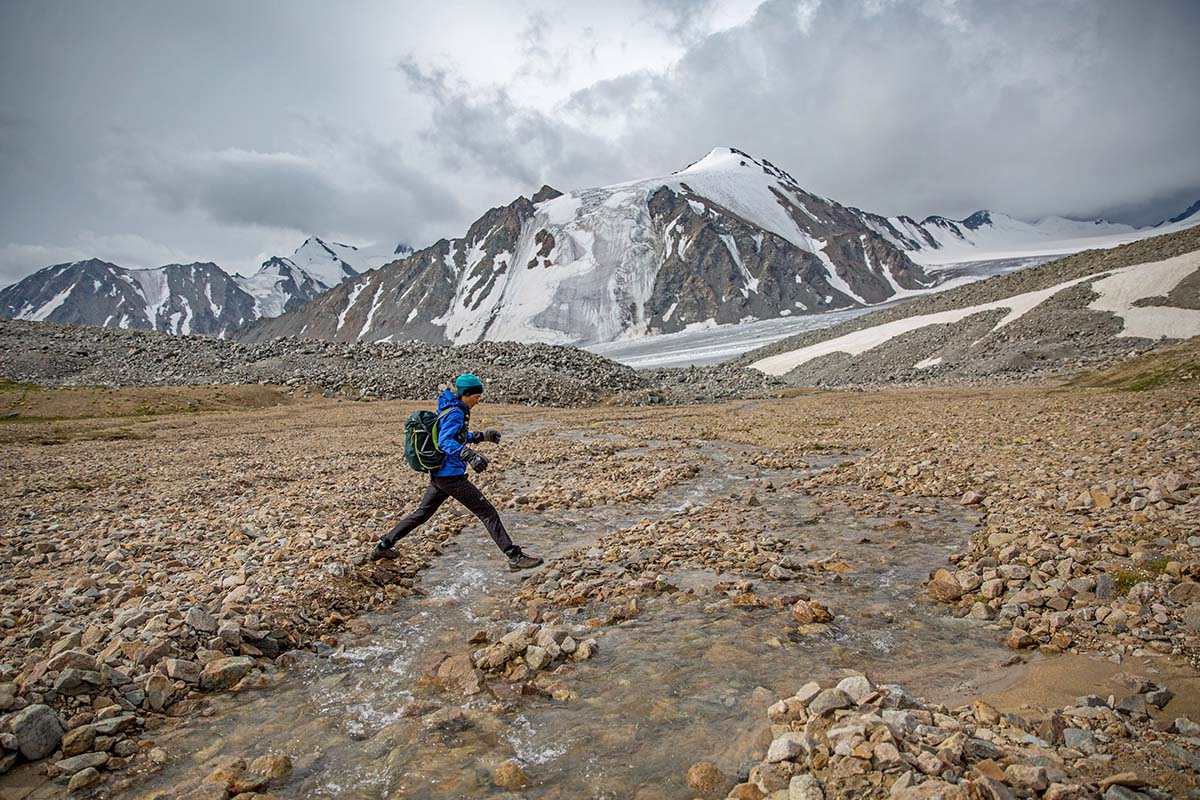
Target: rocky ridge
x,y
546,375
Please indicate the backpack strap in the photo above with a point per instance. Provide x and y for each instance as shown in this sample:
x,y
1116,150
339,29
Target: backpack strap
x,y
435,426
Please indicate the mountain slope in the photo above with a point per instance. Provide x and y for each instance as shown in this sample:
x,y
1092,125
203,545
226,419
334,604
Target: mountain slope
x,y
728,238
1094,306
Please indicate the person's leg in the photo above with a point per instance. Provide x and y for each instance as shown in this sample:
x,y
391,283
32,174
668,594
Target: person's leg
x,y
430,502
461,489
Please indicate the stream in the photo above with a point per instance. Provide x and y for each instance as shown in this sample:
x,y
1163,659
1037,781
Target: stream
x,y
679,683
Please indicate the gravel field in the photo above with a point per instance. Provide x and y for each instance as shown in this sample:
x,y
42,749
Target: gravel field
x,y
156,562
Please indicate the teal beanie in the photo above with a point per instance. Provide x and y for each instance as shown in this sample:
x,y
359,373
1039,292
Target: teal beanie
x,y
468,384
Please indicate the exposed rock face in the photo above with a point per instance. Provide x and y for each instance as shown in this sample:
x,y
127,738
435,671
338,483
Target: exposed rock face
x,y
726,239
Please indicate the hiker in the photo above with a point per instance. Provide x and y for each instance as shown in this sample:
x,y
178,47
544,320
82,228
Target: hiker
x,y
450,479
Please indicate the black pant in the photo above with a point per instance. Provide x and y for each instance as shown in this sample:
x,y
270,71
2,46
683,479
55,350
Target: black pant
x,y
461,489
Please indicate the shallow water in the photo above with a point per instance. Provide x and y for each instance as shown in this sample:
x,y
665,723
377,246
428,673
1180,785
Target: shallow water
x,y
681,682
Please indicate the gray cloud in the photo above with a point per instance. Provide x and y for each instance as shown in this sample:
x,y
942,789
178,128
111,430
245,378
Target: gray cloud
x,y
913,107
228,132
486,131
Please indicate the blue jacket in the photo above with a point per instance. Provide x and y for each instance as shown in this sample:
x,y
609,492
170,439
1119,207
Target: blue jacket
x,y
450,430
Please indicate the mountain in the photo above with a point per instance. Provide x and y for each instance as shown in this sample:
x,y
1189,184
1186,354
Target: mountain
x,y
1092,307
196,298
178,298
937,242
727,239
1192,213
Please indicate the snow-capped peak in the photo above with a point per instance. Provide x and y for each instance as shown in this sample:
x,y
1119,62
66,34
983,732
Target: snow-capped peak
x,y
329,263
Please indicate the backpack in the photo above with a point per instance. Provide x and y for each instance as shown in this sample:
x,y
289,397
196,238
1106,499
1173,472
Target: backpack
x,y
420,440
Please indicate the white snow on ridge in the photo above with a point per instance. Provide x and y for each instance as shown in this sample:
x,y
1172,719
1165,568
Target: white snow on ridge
x,y
40,314
1011,238
355,291
1118,291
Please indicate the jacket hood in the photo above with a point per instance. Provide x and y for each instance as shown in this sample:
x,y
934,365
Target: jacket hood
x,y
447,399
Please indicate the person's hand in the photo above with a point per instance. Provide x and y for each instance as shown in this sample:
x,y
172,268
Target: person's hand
x,y
490,435
477,461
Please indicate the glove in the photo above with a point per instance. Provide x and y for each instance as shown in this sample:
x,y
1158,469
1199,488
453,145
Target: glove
x,y
490,435
477,460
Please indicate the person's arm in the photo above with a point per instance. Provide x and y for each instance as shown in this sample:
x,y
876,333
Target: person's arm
x,y
448,430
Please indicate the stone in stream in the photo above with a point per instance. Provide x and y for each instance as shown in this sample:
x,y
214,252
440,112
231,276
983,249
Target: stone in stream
x,y
706,780
857,687
810,611
944,586
275,766
37,730
536,657
509,775
225,672
457,673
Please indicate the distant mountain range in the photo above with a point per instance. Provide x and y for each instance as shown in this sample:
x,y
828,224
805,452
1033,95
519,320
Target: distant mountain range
x,y
185,299
730,238
937,242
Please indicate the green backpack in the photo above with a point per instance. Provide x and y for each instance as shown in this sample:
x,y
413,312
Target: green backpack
x,y
420,440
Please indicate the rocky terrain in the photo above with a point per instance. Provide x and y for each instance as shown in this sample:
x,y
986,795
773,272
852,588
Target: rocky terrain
x,y
547,375
220,551
1050,336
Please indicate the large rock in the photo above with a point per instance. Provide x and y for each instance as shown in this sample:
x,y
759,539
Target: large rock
x,y
457,673
69,766
707,781
805,787
200,620
944,587
789,746
225,672
38,731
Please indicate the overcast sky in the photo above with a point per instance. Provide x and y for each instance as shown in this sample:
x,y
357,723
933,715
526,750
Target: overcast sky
x,y
154,132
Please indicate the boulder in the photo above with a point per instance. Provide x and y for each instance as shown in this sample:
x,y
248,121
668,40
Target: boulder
x,y
37,730
225,672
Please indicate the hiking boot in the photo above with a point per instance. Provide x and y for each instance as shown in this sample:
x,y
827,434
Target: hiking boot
x,y
379,551
522,561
